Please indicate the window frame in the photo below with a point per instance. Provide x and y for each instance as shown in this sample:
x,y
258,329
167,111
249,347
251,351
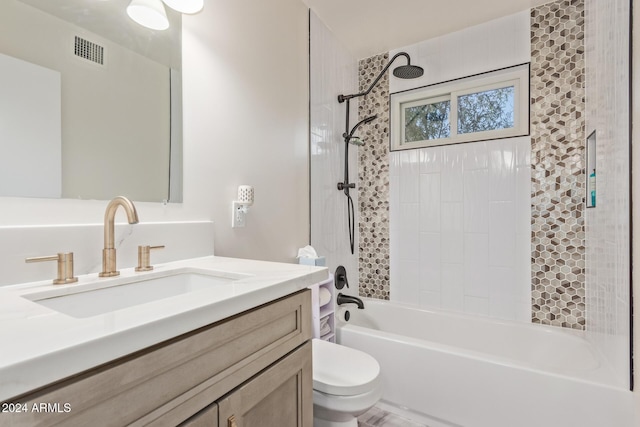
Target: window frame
x,y
517,76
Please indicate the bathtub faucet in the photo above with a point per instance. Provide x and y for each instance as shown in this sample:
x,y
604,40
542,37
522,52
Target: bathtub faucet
x,y
346,299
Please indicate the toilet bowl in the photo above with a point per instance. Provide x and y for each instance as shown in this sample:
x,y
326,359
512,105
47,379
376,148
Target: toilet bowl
x,y
346,384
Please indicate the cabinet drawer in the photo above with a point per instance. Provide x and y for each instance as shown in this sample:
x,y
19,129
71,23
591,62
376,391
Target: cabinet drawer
x,y
281,396
180,377
208,417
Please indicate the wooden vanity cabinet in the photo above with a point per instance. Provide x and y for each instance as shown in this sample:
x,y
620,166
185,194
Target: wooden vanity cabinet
x,y
250,370
208,417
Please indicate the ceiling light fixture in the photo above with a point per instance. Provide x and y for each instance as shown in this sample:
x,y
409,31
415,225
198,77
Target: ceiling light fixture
x,y
148,13
185,6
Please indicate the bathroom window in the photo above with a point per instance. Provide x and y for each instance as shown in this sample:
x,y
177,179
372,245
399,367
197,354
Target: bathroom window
x,y
427,121
489,106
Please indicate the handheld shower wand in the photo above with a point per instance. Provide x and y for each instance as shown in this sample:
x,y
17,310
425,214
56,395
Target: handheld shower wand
x,y
404,72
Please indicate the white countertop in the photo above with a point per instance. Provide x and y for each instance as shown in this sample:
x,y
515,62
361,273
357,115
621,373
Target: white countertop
x,y
40,345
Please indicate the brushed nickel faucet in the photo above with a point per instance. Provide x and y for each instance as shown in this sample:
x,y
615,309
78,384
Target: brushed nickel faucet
x,y
109,251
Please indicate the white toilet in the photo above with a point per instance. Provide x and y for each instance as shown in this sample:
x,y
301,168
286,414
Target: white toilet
x,y
345,384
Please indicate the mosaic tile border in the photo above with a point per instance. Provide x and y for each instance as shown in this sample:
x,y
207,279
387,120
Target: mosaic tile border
x,y
557,178
373,180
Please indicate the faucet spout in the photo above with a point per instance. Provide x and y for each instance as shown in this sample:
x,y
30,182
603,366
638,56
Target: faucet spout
x,y
346,299
109,251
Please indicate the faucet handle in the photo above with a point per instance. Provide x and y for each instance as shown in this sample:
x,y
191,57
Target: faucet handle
x,y
65,266
144,257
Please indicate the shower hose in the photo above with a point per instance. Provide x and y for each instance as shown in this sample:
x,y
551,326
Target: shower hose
x,y
352,221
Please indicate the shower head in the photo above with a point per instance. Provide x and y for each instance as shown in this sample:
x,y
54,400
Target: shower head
x,y
404,72
354,140
370,118
408,71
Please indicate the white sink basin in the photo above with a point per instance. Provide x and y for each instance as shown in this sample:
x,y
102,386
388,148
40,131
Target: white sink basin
x,y
122,293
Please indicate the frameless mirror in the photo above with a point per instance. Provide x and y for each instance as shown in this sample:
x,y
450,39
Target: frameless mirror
x,y
91,103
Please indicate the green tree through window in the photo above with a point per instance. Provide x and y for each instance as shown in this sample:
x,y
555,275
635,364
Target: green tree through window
x,y
488,110
427,122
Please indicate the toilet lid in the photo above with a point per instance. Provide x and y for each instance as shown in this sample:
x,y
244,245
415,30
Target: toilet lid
x,y
341,370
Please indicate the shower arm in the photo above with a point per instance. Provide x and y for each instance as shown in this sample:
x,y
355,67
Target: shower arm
x,y
342,98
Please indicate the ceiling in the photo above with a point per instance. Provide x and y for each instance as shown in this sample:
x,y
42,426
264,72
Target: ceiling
x,y
369,27
109,20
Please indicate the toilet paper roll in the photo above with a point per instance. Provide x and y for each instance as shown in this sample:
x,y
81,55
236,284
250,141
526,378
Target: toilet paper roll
x,y
324,295
343,314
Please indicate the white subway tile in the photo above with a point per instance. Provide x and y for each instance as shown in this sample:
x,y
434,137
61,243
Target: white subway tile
x,y
409,174
523,150
523,199
476,201
408,290
502,170
476,264
452,246
502,308
502,234
430,299
503,283
452,235
430,202
394,163
452,287
523,311
451,174
430,262
476,156
523,268
476,305
431,159
409,232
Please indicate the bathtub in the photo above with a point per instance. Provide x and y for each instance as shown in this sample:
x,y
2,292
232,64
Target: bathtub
x,y
455,370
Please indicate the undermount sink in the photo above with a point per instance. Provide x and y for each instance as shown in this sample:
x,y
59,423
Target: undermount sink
x,y
127,292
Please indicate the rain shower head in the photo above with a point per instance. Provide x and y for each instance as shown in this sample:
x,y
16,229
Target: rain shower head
x,y
404,72
408,71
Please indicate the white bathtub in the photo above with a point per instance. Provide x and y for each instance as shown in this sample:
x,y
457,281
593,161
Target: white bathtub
x,y
457,370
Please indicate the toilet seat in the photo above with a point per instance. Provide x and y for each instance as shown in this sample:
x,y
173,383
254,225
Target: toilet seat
x,y
343,371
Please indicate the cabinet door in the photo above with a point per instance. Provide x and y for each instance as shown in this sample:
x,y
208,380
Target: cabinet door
x,y
208,417
280,396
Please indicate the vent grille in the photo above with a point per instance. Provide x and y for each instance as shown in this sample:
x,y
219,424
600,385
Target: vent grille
x,y
89,50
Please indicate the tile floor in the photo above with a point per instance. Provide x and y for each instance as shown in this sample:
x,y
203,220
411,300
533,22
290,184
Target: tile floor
x,y
376,417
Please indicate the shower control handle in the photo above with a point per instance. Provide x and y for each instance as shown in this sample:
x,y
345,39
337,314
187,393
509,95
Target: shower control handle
x,y
341,277
342,186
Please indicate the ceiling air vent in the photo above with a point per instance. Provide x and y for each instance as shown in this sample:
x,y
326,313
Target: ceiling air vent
x,y
89,50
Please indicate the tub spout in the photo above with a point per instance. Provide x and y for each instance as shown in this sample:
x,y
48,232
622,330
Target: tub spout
x,y
346,299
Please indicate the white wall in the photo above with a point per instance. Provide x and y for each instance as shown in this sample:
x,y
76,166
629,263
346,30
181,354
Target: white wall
x,y
245,122
608,224
334,72
460,215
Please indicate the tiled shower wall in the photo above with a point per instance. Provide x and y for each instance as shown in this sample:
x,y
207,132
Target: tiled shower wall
x,y
460,227
334,71
454,238
557,152
607,225
421,272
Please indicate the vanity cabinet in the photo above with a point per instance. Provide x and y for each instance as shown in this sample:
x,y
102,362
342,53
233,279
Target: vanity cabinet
x,y
253,369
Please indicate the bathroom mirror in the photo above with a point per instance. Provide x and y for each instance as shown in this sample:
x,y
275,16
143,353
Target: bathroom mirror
x,y
117,88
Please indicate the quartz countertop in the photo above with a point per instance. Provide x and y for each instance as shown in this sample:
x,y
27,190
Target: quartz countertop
x,y
41,345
